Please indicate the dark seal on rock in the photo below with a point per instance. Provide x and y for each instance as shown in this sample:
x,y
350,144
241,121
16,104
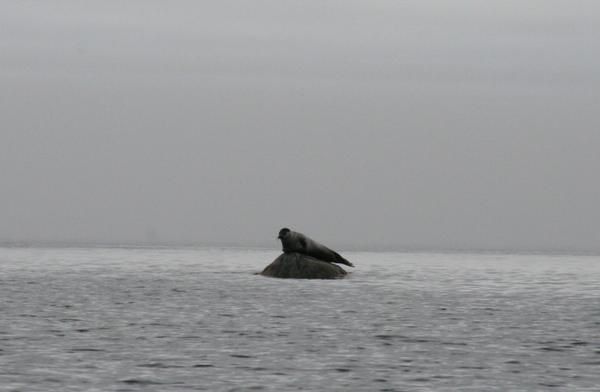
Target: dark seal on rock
x,y
299,266
292,241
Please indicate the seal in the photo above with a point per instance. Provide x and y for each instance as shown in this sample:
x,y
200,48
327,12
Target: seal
x,y
292,241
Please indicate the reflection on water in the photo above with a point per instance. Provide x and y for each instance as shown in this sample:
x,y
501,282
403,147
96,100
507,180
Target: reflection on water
x,y
199,319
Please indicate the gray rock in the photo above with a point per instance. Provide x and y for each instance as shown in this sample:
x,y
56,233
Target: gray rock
x,y
299,266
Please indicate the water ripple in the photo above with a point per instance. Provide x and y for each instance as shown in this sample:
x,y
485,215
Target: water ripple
x,y
200,319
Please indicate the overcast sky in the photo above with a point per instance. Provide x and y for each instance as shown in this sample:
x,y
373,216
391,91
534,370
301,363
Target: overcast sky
x,y
364,124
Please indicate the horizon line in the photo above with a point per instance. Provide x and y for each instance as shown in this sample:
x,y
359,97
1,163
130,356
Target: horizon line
x,y
259,246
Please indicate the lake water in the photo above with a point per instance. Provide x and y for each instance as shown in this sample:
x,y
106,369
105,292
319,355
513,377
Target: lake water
x,y
109,319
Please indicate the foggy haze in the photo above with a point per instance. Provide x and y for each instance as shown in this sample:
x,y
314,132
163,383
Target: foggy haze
x,y
366,125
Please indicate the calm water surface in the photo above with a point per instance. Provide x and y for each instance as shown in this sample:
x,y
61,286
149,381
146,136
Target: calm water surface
x,y
198,319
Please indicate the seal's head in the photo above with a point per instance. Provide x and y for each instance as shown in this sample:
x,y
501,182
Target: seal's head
x,y
283,233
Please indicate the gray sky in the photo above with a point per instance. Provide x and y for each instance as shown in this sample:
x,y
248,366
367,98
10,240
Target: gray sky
x,y
364,124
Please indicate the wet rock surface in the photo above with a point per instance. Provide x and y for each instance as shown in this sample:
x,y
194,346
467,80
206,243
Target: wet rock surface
x,y
299,266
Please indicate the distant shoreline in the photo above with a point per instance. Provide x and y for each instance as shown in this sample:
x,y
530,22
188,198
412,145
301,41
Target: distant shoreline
x,y
382,249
